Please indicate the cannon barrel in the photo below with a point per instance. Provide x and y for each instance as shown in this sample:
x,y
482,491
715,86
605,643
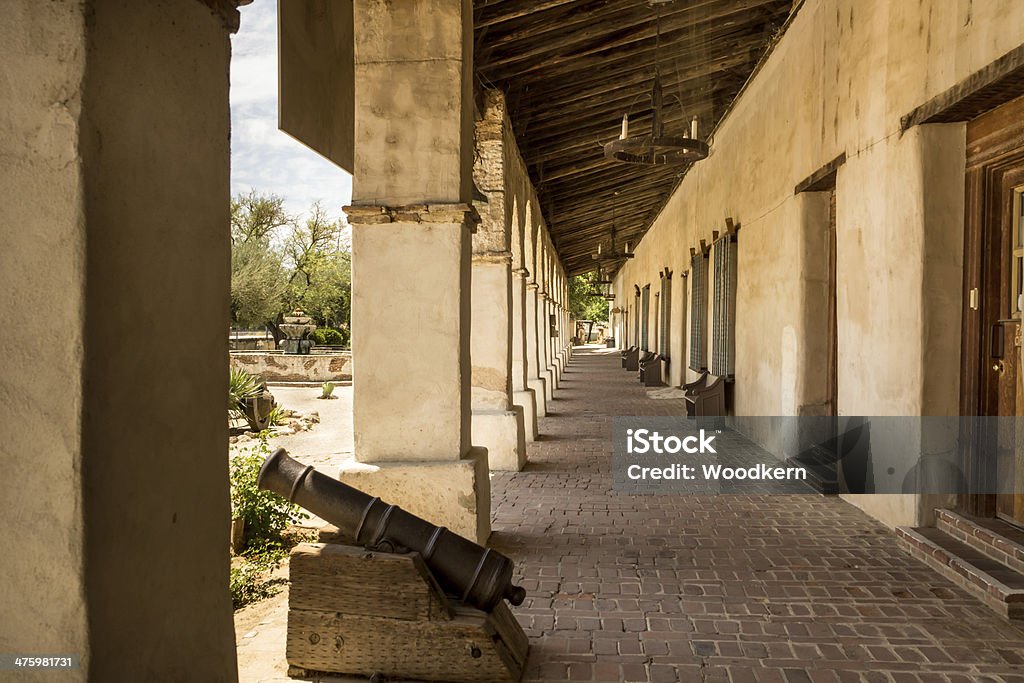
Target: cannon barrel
x,y
476,575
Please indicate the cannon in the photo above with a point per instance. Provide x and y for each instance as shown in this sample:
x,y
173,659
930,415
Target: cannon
x,y
475,575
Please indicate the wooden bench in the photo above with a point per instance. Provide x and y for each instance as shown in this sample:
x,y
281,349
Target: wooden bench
x,y
642,358
707,396
630,358
651,370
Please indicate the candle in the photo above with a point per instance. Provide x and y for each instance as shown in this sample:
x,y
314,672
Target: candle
x,y
625,127
693,128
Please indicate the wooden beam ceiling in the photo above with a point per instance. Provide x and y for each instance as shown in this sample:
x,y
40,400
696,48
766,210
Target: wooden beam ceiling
x,y
571,68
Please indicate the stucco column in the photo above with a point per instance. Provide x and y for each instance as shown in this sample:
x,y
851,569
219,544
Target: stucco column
x,y
559,340
556,365
498,425
522,395
544,326
535,375
114,490
412,231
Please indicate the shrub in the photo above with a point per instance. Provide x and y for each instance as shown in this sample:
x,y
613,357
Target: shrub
x,y
248,577
326,389
265,514
277,417
326,336
241,386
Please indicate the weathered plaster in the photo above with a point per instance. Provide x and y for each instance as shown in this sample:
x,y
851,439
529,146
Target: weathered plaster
x,y
857,66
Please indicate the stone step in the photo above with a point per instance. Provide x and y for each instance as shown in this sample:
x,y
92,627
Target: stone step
x,y
822,474
995,538
998,586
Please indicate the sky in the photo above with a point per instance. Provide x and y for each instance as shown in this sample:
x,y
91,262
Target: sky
x,y
262,157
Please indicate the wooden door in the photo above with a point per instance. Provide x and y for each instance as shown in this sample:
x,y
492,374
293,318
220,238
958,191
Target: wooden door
x,y
993,302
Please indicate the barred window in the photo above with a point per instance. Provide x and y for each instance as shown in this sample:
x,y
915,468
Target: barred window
x,y
723,340
698,312
636,316
666,313
645,320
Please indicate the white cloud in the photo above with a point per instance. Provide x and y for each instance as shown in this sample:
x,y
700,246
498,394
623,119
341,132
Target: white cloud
x,y
262,157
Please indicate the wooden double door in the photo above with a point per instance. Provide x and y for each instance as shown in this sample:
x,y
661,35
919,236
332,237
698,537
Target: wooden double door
x,y
992,381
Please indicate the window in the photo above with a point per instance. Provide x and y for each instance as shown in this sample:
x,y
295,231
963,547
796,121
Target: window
x,y
636,316
645,317
666,313
723,340
698,312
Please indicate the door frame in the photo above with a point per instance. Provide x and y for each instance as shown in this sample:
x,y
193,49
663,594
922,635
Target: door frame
x,y
994,145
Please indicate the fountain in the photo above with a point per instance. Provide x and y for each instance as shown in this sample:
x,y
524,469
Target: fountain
x,y
297,328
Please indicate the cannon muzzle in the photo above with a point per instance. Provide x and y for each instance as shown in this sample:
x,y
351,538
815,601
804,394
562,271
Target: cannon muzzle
x,y
476,575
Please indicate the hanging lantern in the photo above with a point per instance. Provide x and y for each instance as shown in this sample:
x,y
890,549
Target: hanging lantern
x,y
657,148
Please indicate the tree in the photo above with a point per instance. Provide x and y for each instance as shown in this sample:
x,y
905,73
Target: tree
x,y
319,258
583,304
279,264
258,278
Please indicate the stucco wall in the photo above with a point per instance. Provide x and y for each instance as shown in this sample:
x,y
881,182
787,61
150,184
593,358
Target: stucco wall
x,y
115,176
41,277
838,81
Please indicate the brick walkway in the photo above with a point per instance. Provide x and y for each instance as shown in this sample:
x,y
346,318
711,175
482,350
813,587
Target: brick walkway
x,y
717,588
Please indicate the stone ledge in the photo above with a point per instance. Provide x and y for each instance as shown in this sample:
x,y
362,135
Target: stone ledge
x,y
412,213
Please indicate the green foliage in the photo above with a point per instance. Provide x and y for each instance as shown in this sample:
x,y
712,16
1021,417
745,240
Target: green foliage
x,y
328,336
266,515
326,390
241,386
259,282
279,263
248,579
277,416
320,281
583,304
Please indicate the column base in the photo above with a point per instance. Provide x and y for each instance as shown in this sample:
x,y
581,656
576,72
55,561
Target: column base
x,y
503,434
527,400
550,384
538,386
455,494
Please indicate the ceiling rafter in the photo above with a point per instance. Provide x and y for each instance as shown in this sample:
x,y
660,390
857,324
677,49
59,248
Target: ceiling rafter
x,y
571,68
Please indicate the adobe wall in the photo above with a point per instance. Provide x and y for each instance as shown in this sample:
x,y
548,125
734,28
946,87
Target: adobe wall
x,y
839,80
285,367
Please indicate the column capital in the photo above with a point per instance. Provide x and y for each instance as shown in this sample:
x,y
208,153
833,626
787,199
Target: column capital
x,y
532,285
227,10
374,214
521,273
501,257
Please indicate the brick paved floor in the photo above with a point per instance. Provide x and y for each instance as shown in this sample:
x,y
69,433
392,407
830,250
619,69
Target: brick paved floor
x,y
717,588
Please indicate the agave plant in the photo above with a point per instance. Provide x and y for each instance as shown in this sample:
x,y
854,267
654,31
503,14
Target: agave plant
x,y
241,386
